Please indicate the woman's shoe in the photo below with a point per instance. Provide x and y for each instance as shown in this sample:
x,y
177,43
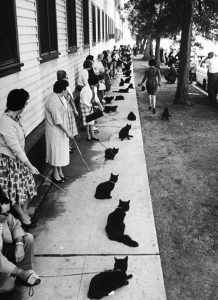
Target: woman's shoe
x,y
64,178
95,139
28,226
89,140
55,180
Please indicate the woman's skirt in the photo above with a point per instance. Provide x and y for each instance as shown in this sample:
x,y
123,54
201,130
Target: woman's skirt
x,y
16,181
85,110
71,121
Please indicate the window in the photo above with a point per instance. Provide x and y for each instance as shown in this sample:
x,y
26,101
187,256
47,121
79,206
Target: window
x,y
86,22
93,24
102,25
106,28
99,25
9,54
47,29
71,24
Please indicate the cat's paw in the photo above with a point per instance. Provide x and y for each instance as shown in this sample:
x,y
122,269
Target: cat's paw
x,y
109,197
126,282
130,276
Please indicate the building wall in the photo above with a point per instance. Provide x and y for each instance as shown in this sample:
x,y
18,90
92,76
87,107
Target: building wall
x,y
38,78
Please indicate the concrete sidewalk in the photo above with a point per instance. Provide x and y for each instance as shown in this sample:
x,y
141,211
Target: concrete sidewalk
x,y
71,243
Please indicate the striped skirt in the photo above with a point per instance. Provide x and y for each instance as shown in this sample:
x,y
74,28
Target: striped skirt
x,y
16,181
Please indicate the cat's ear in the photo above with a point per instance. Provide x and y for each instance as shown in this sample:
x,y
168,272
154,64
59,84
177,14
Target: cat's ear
x,y
126,258
120,201
128,201
115,258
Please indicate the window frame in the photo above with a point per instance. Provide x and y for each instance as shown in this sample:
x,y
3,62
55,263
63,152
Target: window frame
x,y
86,37
12,65
103,25
99,23
94,36
52,54
71,26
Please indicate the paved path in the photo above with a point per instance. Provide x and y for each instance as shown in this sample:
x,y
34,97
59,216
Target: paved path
x,y
70,237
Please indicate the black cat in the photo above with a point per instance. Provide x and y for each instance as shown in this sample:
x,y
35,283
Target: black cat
x,y
127,73
127,80
111,108
165,115
108,99
124,133
115,225
122,91
104,189
131,86
104,283
119,97
131,116
111,152
121,82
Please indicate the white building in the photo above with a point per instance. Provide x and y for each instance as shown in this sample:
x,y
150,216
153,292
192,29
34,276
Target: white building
x,y
39,37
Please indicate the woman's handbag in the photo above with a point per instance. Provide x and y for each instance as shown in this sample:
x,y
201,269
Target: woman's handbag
x,y
97,113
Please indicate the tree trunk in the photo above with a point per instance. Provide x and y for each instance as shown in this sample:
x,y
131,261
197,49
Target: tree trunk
x,y
157,52
181,96
151,53
147,49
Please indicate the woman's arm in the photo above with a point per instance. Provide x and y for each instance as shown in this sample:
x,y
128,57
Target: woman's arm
x,y
144,78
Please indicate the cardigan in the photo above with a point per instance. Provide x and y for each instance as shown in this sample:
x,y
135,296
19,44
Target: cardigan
x,y
12,139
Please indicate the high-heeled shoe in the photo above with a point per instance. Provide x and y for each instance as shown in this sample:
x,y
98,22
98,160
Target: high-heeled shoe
x,y
64,178
55,180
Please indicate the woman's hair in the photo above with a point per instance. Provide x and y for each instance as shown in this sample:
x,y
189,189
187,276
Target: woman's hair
x,y
152,62
60,86
100,76
93,79
17,99
61,74
90,57
87,64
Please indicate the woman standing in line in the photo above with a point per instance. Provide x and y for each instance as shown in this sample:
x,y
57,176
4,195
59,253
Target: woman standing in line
x,y
16,171
153,78
57,133
72,111
88,97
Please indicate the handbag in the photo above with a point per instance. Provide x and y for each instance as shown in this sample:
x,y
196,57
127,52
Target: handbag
x,y
97,113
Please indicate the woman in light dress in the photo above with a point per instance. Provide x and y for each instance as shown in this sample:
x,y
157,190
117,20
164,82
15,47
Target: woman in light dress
x,y
72,111
57,132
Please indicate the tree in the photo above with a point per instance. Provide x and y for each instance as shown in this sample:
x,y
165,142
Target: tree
x,y
166,17
203,14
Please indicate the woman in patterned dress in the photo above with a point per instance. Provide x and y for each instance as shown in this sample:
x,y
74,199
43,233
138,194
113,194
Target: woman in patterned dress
x,y
16,171
153,78
88,97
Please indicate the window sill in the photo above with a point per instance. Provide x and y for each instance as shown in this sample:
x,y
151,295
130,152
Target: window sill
x,y
48,57
72,49
10,69
86,46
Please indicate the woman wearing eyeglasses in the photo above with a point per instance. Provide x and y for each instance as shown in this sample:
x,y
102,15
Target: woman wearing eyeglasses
x,y
16,171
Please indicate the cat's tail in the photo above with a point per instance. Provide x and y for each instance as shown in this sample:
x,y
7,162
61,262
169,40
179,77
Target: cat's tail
x,y
125,239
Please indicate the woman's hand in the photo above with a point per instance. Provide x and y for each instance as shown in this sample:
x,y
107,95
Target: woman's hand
x,y
19,253
34,170
76,113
